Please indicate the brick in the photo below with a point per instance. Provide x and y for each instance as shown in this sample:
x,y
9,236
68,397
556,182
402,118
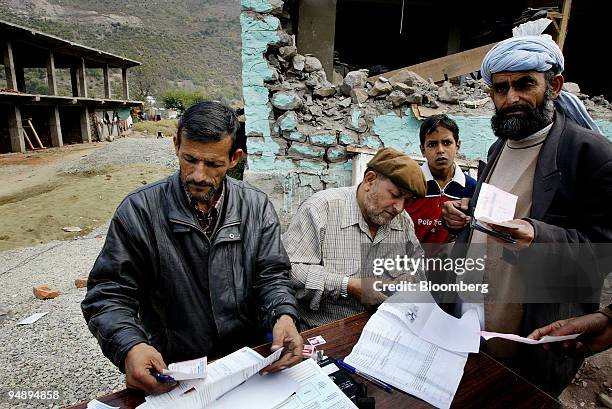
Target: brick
x,y
80,282
43,292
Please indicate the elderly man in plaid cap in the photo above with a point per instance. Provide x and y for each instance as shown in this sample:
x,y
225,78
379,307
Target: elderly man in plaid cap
x,y
336,230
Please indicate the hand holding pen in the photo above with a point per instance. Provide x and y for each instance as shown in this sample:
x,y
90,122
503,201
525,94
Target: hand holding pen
x,y
141,363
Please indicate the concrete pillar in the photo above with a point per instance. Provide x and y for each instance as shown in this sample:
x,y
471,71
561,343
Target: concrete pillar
x,y
16,129
317,31
82,79
126,87
74,81
9,66
51,80
85,128
107,85
454,38
55,126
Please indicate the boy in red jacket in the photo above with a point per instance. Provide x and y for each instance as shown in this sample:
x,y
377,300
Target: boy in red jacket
x,y
440,143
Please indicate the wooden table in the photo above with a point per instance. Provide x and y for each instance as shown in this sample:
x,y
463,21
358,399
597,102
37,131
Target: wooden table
x,y
485,382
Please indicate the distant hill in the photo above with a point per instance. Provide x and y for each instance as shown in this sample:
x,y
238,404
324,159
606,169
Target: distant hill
x,y
181,43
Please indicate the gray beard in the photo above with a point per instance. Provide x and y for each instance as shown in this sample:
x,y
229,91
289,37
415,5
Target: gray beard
x,y
517,128
371,212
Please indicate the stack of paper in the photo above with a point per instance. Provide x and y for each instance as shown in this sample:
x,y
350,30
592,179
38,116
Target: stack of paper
x,y
232,383
495,206
314,389
417,348
222,376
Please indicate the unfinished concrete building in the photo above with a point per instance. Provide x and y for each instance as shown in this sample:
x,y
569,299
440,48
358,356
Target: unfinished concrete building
x,y
30,120
316,105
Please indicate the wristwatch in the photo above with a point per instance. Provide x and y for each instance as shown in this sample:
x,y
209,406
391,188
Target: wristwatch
x,y
607,311
344,287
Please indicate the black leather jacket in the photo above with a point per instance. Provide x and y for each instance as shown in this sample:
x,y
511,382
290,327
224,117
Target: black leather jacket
x,y
142,286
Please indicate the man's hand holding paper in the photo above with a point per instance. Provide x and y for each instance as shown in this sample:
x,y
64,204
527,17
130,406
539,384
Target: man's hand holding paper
x,y
285,334
494,215
140,360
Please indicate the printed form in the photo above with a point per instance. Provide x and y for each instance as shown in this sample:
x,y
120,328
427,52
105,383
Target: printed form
x,y
428,322
391,349
316,390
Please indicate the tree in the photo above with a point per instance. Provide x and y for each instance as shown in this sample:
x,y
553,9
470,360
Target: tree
x,y
181,99
144,80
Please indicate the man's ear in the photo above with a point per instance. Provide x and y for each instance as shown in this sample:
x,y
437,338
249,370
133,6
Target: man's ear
x,y
368,179
370,176
236,157
177,143
557,84
422,149
458,144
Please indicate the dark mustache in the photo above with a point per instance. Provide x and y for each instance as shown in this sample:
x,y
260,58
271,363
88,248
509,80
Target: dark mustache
x,y
516,108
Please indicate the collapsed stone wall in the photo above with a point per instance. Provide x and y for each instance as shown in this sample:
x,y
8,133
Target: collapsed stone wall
x,y
299,123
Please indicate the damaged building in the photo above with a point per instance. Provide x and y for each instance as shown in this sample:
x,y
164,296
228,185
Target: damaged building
x,y
322,92
35,118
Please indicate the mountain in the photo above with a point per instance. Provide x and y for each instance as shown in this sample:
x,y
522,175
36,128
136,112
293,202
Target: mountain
x,y
193,44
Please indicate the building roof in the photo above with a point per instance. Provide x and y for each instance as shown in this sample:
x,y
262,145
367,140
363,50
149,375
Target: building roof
x,y
94,58
37,99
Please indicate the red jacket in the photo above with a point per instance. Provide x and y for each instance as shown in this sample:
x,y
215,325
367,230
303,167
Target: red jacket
x,y
426,212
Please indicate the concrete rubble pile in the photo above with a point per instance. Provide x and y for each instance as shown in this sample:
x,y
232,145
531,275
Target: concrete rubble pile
x,y
302,124
316,119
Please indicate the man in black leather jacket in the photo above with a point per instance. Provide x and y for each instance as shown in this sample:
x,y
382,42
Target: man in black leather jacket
x,y
193,265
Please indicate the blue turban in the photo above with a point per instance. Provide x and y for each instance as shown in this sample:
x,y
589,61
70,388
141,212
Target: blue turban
x,y
535,53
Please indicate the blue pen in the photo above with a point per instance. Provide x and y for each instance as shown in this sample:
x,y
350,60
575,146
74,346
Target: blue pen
x,y
163,378
379,383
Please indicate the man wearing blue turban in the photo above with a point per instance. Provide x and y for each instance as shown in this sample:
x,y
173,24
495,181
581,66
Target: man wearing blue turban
x,y
539,53
550,154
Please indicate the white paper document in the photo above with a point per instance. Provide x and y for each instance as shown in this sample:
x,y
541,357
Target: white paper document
x,y
258,392
390,351
428,322
512,337
182,371
495,206
222,376
316,390
32,318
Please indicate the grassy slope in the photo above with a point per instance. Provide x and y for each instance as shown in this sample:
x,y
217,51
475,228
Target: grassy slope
x,y
194,40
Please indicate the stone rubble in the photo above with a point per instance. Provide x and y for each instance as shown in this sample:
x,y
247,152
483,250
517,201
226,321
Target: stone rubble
x,y
306,102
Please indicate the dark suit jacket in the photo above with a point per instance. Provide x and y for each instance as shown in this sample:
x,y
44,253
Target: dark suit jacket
x,y
572,217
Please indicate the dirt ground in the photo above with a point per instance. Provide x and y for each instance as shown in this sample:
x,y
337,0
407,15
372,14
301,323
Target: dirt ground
x,y
37,200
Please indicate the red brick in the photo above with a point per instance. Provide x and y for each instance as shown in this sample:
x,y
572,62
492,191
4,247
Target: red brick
x,y
80,282
43,292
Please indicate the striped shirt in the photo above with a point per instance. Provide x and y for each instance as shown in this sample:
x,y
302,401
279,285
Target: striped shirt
x,y
329,239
